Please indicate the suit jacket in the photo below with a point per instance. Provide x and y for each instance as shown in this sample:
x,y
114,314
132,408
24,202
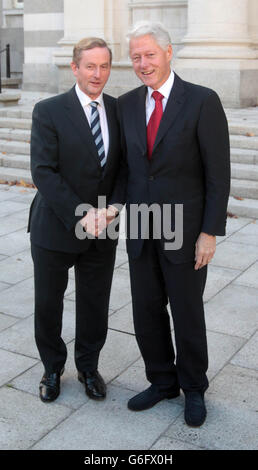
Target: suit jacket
x,y
66,170
190,164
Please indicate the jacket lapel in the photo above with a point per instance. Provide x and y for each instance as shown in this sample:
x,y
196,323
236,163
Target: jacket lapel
x,y
79,120
111,123
139,114
174,105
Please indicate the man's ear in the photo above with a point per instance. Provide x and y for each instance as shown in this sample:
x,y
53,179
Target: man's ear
x,y
74,67
170,51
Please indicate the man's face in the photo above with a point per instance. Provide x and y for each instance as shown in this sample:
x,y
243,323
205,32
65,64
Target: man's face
x,y
93,71
151,63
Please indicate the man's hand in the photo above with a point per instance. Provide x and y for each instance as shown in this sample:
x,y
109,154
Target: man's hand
x,y
89,221
104,218
97,220
204,249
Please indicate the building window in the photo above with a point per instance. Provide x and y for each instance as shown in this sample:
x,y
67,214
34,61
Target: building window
x,y
18,3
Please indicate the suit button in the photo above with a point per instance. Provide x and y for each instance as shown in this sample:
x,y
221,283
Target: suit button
x,y
151,178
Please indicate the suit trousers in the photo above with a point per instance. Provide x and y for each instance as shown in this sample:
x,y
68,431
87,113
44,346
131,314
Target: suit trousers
x,y
154,282
93,277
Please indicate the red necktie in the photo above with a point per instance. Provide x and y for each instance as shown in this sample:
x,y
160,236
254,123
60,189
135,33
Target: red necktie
x,y
154,121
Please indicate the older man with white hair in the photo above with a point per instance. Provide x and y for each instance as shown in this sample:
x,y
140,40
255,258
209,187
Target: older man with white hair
x,y
176,143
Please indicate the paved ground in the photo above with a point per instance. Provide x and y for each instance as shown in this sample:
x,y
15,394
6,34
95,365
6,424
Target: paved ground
x,y
74,421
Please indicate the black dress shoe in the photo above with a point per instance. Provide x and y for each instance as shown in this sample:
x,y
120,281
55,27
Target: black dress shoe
x,y
94,384
195,410
150,397
49,387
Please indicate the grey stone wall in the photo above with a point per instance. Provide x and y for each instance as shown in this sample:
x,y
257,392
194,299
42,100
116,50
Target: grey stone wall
x,y
43,6
39,71
11,32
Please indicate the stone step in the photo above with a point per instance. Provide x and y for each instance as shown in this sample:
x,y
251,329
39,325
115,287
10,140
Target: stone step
x,y
243,128
14,147
244,142
15,123
17,112
238,171
244,156
15,161
11,82
244,188
18,135
244,171
243,208
21,132
15,174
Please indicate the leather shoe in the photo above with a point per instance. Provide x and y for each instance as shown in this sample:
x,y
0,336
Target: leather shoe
x,y
195,410
95,386
150,397
49,387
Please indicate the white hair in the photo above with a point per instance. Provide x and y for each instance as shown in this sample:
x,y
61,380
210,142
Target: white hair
x,y
155,29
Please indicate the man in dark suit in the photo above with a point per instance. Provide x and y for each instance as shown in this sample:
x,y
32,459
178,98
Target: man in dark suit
x,y
75,153
175,137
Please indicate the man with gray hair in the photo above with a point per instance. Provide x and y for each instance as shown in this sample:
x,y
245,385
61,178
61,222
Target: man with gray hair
x,y
176,143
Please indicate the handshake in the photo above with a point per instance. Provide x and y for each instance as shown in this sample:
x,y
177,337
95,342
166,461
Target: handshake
x,y
97,220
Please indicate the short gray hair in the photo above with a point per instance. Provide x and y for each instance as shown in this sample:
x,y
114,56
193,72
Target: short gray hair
x,y
155,29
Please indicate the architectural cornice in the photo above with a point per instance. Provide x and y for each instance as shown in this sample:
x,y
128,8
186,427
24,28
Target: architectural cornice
x,y
166,4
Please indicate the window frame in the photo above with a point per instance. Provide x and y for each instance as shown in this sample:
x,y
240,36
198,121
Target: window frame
x,y
17,4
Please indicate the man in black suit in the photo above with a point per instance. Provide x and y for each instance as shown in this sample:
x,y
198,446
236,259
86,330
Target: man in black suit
x,y
175,137
75,153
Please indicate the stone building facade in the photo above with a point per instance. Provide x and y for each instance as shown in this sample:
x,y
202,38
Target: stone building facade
x,y
215,42
11,32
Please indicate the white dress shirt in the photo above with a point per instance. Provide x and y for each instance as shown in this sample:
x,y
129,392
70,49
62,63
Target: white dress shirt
x,y
85,101
165,90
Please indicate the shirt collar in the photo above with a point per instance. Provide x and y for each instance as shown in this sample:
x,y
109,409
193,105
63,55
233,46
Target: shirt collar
x,y
84,99
166,88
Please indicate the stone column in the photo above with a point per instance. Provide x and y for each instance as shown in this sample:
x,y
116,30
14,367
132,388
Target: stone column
x,y
172,13
43,25
81,19
253,22
116,23
218,50
111,19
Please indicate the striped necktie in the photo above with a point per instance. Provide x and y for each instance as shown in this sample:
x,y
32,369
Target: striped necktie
x,y
96,132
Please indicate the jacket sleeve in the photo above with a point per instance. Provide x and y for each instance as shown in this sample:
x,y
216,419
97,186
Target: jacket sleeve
x,y
46,176
118,196
213,139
